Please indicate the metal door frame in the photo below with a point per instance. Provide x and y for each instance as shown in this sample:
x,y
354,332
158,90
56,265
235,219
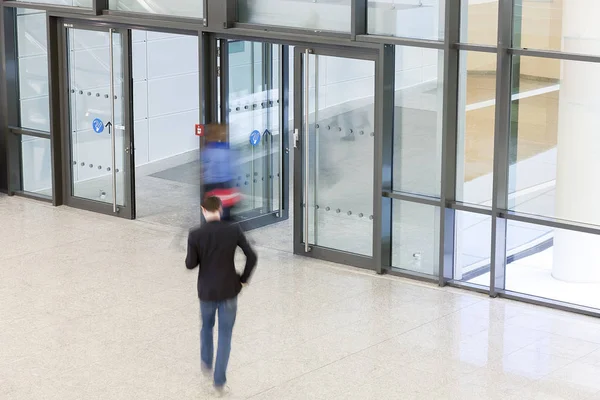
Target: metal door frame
x,y
300,247
128,210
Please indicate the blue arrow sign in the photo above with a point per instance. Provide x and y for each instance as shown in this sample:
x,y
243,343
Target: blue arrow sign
x,y
255,138
98,125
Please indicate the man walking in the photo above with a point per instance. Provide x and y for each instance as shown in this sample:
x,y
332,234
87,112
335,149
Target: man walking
x,y
212,247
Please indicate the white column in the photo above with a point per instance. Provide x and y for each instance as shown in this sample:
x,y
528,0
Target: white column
x,y
577,255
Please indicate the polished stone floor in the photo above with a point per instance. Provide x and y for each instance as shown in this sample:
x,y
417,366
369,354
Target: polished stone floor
x,y
94,307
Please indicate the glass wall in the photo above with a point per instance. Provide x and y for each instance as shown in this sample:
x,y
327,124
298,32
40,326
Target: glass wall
x,y
36,164
419,83
33,70
181,8
72,3
476,124
254,106
415,235
313,15
554,264
473,248
480,138
341,151
479,22
422,19
33,114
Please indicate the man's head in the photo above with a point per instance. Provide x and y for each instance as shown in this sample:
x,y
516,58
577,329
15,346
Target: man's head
x,y
212,208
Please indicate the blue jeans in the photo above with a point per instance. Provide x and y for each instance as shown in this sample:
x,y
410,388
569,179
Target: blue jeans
x,y
227,310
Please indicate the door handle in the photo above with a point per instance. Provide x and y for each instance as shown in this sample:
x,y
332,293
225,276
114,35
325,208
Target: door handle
x,y
112,117
306,146
296,138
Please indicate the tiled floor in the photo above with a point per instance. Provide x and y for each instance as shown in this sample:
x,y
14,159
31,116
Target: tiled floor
x,y
94,307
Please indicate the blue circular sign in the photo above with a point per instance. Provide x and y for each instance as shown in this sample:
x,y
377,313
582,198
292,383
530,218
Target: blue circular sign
x,y
255,138
98,125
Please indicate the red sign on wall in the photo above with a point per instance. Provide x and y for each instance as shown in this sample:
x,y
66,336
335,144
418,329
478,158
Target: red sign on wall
x,y
199,130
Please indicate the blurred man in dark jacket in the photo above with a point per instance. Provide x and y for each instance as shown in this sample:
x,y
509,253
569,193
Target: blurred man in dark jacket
x,y
212,247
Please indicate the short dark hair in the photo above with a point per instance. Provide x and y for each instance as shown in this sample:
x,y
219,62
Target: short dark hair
x,y
212,204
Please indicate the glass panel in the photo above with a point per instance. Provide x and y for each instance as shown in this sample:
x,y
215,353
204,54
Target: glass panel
x,y
166,107
422,19
32,53
36,165
479,22
331,15
74,3
553,263
418,120
565,25
415,237
90,110
254,124
341,151
182,8
472,248
554,139
476,120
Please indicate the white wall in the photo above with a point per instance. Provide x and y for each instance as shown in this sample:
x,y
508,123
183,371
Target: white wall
x,y
165,95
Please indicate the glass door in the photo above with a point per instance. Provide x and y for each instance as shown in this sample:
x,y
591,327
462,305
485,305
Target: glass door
x,y
252,86
334,155
98,141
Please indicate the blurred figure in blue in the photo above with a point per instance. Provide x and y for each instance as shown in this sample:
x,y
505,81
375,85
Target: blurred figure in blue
x,y
218,169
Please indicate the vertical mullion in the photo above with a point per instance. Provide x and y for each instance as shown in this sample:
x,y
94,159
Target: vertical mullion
x,y
449,141
207,65
501,147
99,6
284,101
358,11
54,89
299,64
127,57
383,158
224,79
3,107
11,107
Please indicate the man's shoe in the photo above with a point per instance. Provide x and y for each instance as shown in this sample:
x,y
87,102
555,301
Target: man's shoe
x,y
206,370
222,391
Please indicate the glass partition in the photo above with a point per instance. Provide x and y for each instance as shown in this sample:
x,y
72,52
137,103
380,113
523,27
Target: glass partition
x,y
554,139
418,120
479,22
476,121
415,237
551,263
340,153
254,125
559,25
421,19
182,8
32,50
36,164
332,15
72,3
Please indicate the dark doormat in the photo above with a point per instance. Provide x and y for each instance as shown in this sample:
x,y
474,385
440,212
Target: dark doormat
x,y
186,173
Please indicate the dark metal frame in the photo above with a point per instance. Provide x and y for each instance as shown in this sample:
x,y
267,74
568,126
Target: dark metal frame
x,y
220,22
126,210
299,174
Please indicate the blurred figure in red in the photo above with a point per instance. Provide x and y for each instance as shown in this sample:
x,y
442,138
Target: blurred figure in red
x,y
218,169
